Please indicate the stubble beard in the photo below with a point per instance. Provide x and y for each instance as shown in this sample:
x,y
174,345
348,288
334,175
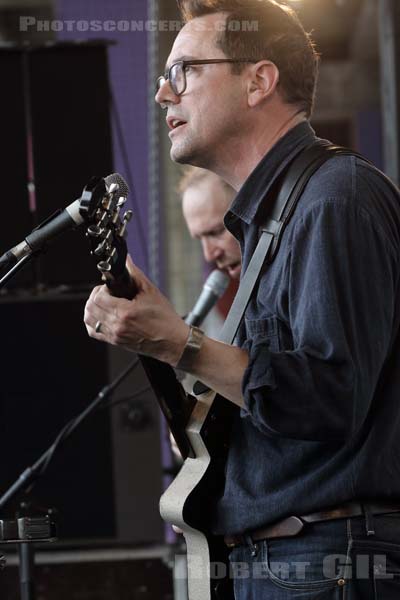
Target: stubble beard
x,y
190,151
182,152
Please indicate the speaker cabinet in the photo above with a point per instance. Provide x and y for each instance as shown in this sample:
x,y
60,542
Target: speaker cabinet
x,y
55,123
16,219
105,481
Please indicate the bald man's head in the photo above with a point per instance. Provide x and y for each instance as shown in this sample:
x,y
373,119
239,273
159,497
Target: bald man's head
x,y
205,200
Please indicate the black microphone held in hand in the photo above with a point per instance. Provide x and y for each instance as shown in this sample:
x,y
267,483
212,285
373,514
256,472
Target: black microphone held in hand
x,y
214,287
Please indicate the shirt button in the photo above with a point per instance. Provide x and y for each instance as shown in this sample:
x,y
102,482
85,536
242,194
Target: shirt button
x,y
341,582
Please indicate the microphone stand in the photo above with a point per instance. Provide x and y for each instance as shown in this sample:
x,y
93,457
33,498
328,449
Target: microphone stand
x,y
16,268
31,473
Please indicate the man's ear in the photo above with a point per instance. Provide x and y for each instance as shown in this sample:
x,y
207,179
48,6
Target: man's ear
x,y
263,81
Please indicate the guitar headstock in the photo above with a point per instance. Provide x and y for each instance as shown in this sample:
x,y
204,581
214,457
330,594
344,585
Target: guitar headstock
x,y
107,229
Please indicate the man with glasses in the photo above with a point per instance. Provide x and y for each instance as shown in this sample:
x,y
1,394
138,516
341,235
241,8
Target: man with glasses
x,y
311,498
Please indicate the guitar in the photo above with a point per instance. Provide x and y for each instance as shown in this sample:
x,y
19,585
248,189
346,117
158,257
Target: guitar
x,y
201,425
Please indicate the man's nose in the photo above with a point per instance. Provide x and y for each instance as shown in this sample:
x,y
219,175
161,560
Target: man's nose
x,y
211,250
165,95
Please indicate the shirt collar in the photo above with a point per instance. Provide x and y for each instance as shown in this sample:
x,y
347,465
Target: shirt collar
x,y
259,182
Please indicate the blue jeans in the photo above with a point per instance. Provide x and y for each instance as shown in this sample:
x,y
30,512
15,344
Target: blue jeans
x,y
332,560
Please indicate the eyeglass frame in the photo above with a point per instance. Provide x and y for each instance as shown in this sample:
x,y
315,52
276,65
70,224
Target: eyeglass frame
x,y
186,63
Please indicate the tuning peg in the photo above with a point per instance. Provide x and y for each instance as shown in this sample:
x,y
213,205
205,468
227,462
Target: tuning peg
x,y
106,203
127,217
101,248
121,201
94,231
104,266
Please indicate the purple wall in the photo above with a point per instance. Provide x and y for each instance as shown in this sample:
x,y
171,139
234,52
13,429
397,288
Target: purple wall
x,y
128,80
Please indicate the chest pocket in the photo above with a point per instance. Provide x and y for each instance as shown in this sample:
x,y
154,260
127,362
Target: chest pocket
x,y
267,329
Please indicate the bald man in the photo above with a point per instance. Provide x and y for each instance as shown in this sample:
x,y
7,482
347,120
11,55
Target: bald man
x,y
205,200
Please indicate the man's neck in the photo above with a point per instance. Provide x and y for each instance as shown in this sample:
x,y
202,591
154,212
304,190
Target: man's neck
x,y
254,147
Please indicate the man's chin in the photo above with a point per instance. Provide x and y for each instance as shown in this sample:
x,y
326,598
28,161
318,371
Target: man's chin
x,y
234,271
180,154
185,155
182,158
178,158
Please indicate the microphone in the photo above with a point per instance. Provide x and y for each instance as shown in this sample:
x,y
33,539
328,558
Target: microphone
x,y
61,221
214,287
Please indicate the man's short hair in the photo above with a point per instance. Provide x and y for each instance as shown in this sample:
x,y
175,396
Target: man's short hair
x,y
192,176
278,37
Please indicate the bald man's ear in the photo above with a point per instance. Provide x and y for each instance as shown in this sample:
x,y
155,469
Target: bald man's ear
x,y
263,81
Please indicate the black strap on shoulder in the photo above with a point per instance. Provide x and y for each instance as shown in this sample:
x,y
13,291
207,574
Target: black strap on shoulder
x,y
295,179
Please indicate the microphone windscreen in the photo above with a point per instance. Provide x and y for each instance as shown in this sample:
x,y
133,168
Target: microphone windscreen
x,y
120,181
217,282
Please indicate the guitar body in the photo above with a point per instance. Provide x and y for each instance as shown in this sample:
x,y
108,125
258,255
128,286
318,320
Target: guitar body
x,y
201,426
187,501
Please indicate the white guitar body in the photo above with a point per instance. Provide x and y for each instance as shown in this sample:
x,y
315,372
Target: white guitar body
x,y
172,502
174,509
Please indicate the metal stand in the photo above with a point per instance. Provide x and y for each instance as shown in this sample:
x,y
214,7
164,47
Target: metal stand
x,y
15,269
24,530
26,567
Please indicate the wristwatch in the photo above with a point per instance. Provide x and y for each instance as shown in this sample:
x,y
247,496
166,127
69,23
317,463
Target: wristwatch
x,y
191,348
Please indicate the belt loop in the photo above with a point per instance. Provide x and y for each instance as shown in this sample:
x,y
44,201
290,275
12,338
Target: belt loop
x,y
369,520
253,547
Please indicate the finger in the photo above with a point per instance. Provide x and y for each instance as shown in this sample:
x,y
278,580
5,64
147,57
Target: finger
x,y
90,308
99,331
137,275
95,322
94,313
105,302
94,293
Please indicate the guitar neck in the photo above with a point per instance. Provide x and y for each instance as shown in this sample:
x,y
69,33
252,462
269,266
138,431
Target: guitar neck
x,y
176,405
122,286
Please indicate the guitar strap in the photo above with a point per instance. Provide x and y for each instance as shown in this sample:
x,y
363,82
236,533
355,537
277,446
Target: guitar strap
x,y
297,175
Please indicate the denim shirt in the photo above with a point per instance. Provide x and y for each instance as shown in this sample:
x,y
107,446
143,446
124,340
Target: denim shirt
x,y
321,423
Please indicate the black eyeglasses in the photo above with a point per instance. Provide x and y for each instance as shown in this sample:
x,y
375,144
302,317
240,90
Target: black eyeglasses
x,y
176,74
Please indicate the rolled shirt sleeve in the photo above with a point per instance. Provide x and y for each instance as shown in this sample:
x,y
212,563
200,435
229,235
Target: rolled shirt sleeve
x,y
342,277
